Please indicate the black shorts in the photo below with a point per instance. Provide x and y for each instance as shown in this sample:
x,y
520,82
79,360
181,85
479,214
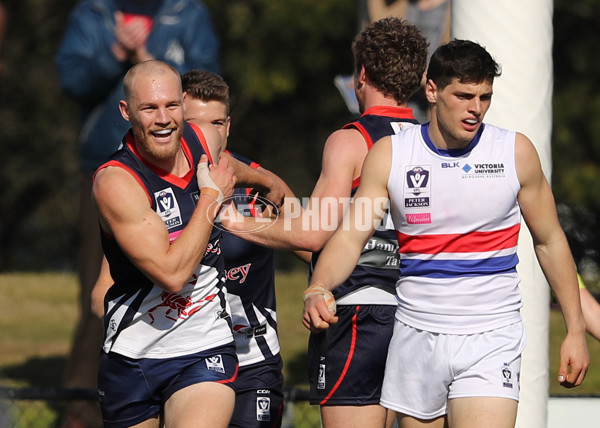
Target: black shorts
x,y
347,360
259,397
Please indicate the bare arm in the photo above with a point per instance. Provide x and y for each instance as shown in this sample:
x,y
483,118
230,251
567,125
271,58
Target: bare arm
x,y
342,250
552,250
141,233
308,229
591,312
268,184
103,283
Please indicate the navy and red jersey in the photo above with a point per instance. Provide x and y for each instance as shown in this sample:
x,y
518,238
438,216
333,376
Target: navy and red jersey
x,y
139,313
250,279
378,266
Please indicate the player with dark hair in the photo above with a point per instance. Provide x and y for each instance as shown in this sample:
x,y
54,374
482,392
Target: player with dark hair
x,y
457,188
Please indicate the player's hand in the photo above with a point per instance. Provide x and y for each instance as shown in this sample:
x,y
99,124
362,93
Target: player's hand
x,y
319,309
276,194
574,360
217,180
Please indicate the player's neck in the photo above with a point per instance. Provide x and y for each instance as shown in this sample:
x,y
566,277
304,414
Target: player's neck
x,y
376,98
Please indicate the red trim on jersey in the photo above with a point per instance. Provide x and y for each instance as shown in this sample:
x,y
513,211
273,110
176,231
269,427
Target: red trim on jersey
x,y
277,421
364,133
473,242
202,140
130,171
390,111
181,182
348,360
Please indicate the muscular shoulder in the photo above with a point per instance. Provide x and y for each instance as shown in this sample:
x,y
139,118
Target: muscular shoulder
x,y
116,191
346,146
527,160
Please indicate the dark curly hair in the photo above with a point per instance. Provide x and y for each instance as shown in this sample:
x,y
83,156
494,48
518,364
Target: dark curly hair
x,y
464,60
206,86
394,54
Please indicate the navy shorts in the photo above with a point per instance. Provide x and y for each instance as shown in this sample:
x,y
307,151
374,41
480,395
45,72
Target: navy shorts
x,y
347,360
259,398
134,390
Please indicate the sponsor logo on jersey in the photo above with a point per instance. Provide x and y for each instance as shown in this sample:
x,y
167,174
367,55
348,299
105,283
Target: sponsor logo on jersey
x,y
418,218
483,170
446,165
168,208
238,273
221,314
249,332
213,247
195,197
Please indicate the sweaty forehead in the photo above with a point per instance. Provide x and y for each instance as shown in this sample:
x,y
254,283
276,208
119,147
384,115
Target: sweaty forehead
x,y
156,88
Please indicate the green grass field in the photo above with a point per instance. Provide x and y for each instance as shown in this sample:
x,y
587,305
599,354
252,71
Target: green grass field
x,y
38,313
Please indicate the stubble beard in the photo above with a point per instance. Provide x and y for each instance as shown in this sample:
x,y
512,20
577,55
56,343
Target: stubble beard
x,y
159,152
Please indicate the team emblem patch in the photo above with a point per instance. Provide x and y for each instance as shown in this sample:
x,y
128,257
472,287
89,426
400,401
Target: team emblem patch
x,y
321,379
168,208
417,186
215,363
263,408
506,376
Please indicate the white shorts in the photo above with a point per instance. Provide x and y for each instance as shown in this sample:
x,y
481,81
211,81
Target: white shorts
x,y
424,370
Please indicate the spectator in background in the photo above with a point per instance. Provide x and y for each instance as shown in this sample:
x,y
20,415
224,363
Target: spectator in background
x,y
103,39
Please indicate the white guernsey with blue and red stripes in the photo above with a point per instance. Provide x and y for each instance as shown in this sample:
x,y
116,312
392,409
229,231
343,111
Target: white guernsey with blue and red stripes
x,y
457,220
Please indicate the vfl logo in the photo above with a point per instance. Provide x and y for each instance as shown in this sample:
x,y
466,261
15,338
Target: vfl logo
x,y
215,363
416,189
165,202
263,409
417,178
321,379
167,207
507,376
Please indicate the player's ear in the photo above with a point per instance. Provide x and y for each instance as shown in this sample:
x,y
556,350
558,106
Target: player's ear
x,y
124,109
431,91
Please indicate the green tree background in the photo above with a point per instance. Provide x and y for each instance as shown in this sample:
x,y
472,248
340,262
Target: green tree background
x,y
280,58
